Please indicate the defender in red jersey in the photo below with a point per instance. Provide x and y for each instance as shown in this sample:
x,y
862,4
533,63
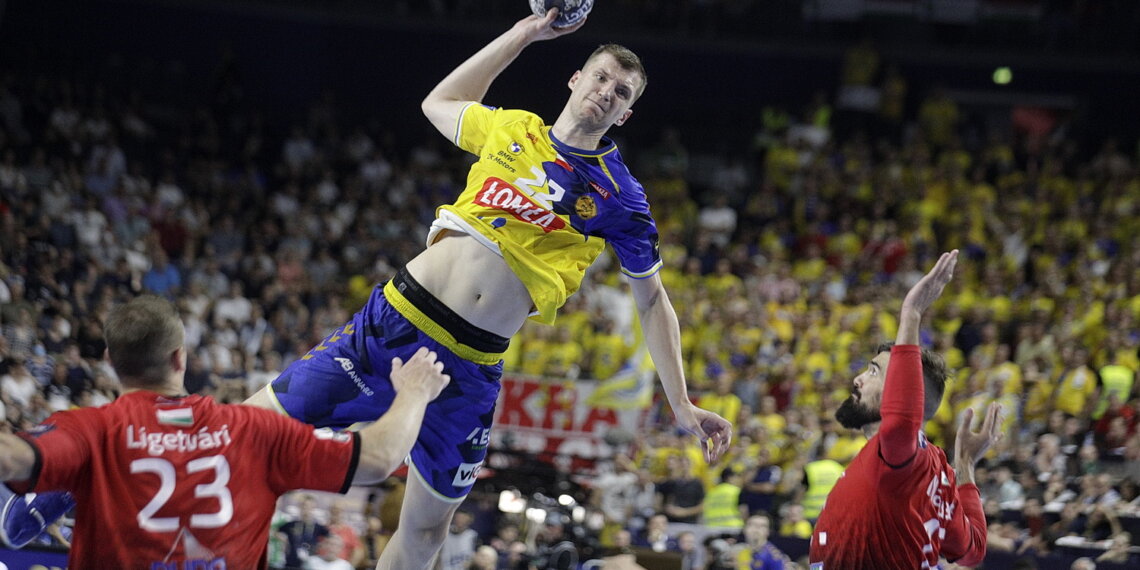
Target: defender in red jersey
x,y
899,504
169,481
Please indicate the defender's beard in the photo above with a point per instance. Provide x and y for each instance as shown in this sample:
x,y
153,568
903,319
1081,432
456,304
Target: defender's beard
x,y
854,415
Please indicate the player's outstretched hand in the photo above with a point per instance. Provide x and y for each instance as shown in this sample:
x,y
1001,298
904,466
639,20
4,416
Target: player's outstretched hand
x,y
930,287
714,431
538,28
422,374
972,445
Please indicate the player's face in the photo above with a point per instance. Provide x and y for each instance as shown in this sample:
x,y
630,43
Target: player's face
x,y
602,92
862,407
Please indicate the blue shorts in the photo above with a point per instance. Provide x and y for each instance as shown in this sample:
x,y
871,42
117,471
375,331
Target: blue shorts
x,y
343,382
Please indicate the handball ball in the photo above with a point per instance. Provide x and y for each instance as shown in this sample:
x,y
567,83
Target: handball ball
x,y
570,12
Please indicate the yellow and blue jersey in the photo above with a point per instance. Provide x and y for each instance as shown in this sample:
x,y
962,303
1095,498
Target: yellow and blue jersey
x,y
547,207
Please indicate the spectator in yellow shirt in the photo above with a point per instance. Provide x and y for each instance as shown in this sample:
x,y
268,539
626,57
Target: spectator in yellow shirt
x,y
1077,384
722,401
793,523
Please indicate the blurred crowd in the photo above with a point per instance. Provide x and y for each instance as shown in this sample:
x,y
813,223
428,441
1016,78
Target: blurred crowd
x,y
1063,26
786,264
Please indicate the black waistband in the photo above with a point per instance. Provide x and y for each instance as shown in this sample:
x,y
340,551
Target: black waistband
x,y
463,331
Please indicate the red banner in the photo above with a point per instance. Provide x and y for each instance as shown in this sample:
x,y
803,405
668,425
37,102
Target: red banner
x,y
541,415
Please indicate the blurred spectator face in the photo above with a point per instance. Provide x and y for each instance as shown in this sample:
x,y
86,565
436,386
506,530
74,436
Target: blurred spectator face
x,y
757,529
516,553
485,558
509,533
331,546
687,541
308,505
1032,508
622,539
1089,453
1002,474
767,405
461,522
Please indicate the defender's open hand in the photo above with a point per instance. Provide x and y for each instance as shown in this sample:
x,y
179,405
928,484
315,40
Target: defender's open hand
x,y
930,287
972,445
422,372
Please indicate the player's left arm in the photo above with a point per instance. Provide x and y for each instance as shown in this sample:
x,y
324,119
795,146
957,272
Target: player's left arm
x,y
663,338
903,388
17,458
965,541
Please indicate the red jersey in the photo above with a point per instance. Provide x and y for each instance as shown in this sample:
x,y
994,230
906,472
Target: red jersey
x,y
897,504
171,483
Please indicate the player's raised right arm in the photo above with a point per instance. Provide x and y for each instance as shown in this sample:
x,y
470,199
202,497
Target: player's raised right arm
x,y
470,81
903,389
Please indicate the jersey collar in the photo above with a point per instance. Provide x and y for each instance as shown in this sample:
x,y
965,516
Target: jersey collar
x,y
606,145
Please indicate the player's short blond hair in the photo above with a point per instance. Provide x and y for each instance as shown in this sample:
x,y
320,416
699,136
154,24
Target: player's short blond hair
x,y
142,336
628,61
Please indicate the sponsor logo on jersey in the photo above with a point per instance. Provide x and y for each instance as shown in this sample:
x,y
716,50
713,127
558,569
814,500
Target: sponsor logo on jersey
x,y
532,138
158,443
349,368
585,207
466,474
501,195
479,437
601,190
515,147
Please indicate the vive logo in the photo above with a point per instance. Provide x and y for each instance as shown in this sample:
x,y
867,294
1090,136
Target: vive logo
x,y
466,474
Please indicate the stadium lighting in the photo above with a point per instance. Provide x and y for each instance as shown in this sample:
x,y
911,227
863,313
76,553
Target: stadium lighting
x,y
510,501
1003,75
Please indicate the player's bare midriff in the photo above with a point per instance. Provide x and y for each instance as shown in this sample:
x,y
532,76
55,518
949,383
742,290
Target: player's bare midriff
x,y
473,281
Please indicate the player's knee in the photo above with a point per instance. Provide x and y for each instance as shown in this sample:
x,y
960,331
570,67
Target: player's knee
x,y
427,527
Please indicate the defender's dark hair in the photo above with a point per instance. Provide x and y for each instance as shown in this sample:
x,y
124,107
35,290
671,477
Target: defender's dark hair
x,y
934,373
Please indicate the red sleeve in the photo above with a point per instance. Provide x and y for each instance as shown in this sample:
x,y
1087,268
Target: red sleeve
x,y
306,458
902,406
62,452
965,541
